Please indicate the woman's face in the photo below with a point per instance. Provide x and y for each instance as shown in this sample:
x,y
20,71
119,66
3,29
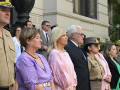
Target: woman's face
x,y
35,42
18,31
63,40
94,48
113,51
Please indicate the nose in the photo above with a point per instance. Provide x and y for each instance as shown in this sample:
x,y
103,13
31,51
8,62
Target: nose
x,y
40,40
8,13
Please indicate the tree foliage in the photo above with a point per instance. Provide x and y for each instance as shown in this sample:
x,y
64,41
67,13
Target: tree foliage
x,y
114,7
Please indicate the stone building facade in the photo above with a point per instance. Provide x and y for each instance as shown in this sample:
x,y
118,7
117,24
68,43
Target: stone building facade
x,y
68,12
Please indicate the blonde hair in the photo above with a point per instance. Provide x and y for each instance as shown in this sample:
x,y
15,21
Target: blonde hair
x,y
55,35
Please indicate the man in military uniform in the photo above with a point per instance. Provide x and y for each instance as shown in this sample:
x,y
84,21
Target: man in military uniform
x,y
7,49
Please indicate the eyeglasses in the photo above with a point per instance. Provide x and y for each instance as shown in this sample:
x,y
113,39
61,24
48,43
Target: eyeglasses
x,y
48,25
18,30
81,34
96,45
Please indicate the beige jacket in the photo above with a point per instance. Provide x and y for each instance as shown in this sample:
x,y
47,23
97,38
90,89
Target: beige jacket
x,y
95,68
7,59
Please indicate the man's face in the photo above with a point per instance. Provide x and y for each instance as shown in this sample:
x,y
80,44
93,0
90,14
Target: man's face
x,y
46,27
78,37
4,15
29,24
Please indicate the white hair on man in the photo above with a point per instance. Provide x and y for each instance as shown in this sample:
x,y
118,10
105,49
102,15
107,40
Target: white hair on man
x,y
73,29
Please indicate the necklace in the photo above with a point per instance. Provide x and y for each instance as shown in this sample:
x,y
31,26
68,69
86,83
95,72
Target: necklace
x,y
31,55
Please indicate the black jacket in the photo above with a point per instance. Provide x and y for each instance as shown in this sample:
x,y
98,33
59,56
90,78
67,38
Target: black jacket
x,y
81,67
114,71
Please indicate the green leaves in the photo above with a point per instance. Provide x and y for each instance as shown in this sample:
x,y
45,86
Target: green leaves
x,y
114,7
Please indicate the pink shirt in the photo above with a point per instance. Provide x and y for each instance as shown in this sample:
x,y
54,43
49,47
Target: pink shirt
x,y
107,72
63,70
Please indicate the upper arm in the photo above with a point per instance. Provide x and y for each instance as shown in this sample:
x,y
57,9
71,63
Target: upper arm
x,y
89,64
28,73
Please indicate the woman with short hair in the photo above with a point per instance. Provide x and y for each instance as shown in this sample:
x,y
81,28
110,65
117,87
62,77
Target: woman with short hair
x,y
32,69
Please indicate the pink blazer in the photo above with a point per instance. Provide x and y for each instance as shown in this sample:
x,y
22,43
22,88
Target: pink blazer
x,y
100,57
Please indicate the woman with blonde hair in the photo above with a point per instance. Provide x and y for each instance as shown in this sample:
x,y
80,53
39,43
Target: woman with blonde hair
x,y
60,62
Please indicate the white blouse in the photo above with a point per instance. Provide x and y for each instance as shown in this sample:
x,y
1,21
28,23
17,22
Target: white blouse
x,y
18,49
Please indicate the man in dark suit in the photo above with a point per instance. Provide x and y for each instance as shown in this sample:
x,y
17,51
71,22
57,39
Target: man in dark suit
x,y
44,34
76,36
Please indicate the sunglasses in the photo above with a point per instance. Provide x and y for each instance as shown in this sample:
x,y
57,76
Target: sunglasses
x,y
96,45
48,25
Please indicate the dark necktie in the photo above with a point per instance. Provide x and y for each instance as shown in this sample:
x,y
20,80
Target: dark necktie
x,y
47,37
83,54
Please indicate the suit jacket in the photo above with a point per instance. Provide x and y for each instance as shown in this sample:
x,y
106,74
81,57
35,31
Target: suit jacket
x,y
44,43
81,67
114,72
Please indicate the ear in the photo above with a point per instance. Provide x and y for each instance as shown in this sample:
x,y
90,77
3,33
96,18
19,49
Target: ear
x,y
28,41
72,35
89,48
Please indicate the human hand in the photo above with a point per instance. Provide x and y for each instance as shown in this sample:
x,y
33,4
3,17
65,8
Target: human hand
x,y
108,79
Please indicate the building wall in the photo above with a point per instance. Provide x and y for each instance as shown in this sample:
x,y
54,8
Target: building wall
x,y
36,15
61,12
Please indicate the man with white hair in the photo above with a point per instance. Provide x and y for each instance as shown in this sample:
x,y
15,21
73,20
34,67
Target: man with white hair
x,y
76,36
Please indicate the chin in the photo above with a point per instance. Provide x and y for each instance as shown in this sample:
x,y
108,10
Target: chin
x,y
7,22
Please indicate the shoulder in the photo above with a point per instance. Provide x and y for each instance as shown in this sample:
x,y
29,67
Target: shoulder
x,y
6,32
41,31
24,59
54,51
68,47
89,58
53,54
14,38
8,36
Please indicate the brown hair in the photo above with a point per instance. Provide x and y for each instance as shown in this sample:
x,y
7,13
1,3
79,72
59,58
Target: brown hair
x,y
28,33
107,49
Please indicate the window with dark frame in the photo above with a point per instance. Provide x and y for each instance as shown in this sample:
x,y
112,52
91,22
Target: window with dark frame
x,y
86,8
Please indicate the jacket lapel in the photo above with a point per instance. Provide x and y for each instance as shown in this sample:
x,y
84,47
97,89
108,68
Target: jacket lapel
x,y
43,37
77,51
114,65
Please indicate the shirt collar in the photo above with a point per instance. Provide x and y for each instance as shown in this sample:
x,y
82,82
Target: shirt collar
x,y
74,43
44,32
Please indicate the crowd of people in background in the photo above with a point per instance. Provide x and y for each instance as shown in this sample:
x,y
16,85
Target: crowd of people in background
x,y
53,58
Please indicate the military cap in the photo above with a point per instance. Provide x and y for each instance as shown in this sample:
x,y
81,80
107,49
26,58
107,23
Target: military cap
x,y
91,40
6,3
